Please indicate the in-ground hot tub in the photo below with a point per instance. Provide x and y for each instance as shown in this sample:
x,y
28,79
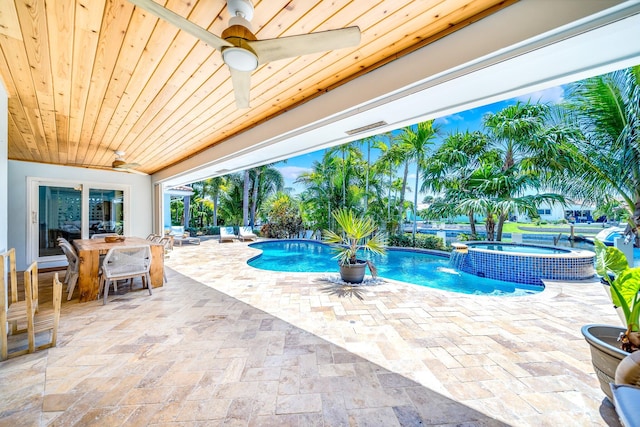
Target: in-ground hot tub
x,y
521,263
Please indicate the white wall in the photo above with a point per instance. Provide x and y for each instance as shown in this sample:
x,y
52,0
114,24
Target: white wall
x,y
4,144
140,198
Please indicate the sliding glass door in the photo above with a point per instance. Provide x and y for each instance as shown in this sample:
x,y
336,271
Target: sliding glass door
x,y
59,215
106,214
73,211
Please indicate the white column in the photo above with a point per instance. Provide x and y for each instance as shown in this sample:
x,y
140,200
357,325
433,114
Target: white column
x,y
4,167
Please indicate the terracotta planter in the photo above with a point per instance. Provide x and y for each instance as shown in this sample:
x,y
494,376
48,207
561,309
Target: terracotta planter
x,y
353,273
605,353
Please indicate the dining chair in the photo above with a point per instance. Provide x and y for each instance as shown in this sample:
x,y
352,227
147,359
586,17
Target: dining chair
x,y
125,262
44,320
11,311
71,276
18,313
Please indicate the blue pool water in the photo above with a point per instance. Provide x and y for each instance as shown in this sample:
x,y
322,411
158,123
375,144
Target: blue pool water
x,y
407,266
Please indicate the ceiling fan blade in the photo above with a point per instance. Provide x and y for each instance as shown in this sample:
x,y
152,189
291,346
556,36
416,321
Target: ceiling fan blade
x,y
287,47
129,168
241,84
182,23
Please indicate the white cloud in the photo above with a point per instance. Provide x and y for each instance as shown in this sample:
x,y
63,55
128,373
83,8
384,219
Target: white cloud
x,y
292,172
553,95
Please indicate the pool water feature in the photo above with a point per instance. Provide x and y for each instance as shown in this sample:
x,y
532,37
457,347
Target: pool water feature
x,y
411,266
523,263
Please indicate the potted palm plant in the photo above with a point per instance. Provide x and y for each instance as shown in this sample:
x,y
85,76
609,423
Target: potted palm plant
x,y
610,344
358,234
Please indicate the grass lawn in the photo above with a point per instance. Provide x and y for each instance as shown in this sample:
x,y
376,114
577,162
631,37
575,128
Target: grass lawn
x,y
514,227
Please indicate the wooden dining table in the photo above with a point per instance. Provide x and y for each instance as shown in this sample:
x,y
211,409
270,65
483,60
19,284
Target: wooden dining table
x,y
89,251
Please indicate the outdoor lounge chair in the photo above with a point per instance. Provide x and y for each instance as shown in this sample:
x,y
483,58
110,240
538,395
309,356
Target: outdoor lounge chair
x,y
245,233
226,233
180,236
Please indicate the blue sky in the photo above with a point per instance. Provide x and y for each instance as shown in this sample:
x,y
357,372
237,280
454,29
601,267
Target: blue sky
x,y
466,120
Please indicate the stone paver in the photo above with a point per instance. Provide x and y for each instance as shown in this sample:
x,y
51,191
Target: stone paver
x,y
224,343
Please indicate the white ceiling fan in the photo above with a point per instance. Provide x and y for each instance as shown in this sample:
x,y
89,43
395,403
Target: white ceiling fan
x,y
243,52
120,164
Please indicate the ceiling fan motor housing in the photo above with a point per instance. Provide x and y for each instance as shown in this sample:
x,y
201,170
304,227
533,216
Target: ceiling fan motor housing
x,y
242,8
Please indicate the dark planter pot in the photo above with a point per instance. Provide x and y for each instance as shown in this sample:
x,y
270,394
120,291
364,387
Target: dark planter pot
x,y
605,353
353,273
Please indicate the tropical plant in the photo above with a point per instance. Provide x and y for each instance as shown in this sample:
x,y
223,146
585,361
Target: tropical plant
x,y
606,110
284,220
625,290
358,234
416,142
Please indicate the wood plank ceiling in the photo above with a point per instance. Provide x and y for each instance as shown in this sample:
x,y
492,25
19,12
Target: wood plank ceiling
x,y
88,77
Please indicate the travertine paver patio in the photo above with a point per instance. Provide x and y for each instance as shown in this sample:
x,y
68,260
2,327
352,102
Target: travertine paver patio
x,y
223,343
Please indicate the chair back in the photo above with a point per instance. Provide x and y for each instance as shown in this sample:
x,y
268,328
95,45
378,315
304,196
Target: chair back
x,y
127,260
31,297
72,256
8,271
166,242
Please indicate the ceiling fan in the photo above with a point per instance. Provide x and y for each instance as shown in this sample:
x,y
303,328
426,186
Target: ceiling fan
x,y
243,52
120,164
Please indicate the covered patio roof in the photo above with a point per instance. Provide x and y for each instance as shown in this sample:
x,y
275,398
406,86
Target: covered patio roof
x,y
119,78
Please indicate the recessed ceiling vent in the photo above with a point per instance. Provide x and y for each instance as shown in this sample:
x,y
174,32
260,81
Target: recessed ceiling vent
x,y
366,128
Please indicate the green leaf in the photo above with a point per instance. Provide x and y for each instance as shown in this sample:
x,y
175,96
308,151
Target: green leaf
x,y
625,293
609,260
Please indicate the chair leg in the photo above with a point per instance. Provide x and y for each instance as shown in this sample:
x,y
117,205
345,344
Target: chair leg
x,y
107,283
147,278
72,285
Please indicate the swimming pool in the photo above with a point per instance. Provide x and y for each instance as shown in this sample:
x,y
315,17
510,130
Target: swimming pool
x,y
411,266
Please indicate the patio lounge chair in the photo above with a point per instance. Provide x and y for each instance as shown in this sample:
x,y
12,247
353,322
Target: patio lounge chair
x,y
245,233
226,233
180,236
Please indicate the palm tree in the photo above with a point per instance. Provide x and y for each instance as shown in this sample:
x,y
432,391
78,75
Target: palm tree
x,y
231,202
245,198
263,181
417,141
498,192
447,172
528,143
606,110
350,159
318,196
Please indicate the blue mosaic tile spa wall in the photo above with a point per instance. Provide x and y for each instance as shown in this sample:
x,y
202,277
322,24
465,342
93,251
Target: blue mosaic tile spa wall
x,y
528,269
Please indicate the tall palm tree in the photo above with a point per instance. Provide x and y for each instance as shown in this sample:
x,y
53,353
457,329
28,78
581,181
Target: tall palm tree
x,y
245,198
417,141
318,198
606,110
448,171
265,180
350,158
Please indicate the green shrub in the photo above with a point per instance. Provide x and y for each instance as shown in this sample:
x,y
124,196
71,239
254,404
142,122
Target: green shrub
x,y
463,237
423,241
